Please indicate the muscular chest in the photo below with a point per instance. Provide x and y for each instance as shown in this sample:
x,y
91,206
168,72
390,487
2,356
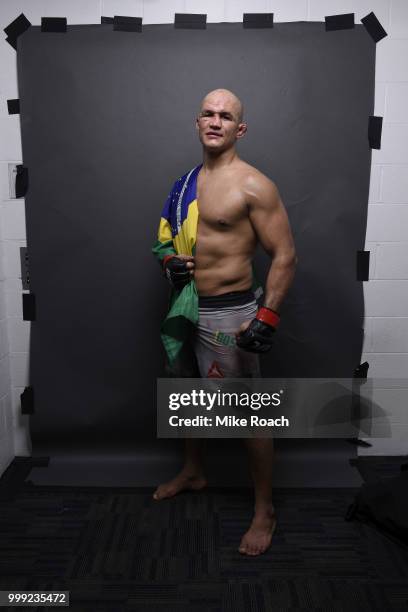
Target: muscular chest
x,y
221,204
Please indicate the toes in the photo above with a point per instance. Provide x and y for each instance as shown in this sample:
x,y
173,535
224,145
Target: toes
x,y
159,494
253,550
247,549
257,550
243,548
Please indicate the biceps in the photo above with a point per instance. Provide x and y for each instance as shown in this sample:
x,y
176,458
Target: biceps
x,y
273,229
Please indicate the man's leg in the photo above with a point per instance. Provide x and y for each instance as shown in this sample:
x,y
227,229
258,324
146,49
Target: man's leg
x,y
259,535
217,355
191,476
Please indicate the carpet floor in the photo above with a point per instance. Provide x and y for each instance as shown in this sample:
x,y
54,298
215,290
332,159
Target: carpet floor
x,y
116,549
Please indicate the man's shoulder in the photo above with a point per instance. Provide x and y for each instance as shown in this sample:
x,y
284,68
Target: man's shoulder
x,y
256,183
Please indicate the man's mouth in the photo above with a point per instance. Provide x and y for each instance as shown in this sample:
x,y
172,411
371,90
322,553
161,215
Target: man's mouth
x,y
213,134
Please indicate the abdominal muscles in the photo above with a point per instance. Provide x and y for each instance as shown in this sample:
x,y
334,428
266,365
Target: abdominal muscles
x,y
223,258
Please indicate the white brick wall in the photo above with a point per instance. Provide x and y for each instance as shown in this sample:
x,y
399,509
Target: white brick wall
x,y
386,325
394,184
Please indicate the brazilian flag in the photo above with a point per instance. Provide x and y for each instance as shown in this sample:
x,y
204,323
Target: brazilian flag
x,y
178,235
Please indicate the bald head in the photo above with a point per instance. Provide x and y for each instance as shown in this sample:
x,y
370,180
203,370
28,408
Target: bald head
x,y
225,96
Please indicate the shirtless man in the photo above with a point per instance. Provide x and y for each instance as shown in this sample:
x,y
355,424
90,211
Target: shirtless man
x,y
239,206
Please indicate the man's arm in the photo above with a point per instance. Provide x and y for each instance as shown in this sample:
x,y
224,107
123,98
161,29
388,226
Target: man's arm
x,y
271,225
177,268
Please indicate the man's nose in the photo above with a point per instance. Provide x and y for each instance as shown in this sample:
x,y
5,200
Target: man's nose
x,y
216,121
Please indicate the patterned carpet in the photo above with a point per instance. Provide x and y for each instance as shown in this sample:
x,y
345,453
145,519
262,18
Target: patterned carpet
x,y
119,550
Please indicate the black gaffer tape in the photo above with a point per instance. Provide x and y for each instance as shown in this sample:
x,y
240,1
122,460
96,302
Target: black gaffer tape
x,y
363,265
257,20
374,132
127,24
373,27
12,42
106,20
15,28
28,307
190,21
339,22
13,107
53,24
27,401
21,181
361,370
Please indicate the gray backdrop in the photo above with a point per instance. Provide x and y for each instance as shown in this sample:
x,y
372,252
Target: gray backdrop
x,y
107,125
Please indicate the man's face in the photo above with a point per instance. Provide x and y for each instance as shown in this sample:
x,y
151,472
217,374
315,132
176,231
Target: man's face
x,y
218,123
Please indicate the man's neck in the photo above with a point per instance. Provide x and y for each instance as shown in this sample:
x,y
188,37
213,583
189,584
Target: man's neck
x,y
213,161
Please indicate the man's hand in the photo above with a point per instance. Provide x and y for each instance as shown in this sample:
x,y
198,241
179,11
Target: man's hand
x,y
178,269
256,336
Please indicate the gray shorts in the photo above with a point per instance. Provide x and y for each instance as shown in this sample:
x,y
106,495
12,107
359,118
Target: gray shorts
x,y
214,344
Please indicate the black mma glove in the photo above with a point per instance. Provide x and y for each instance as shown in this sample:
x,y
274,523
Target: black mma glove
x,y
176,271
258,336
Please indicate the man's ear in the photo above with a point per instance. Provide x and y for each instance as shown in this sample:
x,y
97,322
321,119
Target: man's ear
x,y
196,123
242,129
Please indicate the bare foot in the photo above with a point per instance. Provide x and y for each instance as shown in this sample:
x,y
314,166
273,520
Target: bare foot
x,y
182,482
258,538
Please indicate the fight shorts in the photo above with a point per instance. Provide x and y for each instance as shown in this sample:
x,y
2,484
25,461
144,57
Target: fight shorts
x,y
213,340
